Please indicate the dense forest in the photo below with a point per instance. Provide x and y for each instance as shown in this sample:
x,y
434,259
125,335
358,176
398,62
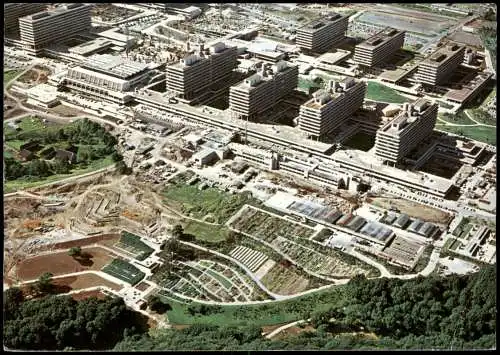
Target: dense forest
x,y
456,312
59,322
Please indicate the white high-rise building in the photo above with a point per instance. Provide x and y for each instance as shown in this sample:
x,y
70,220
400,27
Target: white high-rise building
x,y
320,35
328,109
43,28
410,127
379,47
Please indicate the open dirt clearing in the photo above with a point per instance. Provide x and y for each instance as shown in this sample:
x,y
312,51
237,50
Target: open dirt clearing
x,y
87,294
85,281
412,209
61,263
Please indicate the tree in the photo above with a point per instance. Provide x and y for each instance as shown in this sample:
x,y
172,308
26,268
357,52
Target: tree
x,y
44,283
177,231
116,157
61,166
13,297
157,305
75,252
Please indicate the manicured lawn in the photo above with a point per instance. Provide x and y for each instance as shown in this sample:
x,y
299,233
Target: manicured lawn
x,y
9,75
14,185
478,133
382,93
206,232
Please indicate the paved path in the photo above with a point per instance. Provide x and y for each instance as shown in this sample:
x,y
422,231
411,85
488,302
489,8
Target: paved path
x,y
286,326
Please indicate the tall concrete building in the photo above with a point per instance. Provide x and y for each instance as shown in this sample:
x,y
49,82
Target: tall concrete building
x,y
263,90
379,47
319,35
12,13
436,68
329,108
195,73
401,135
47,27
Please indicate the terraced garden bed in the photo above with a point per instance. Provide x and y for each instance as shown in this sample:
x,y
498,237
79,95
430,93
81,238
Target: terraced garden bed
x,y
133,244
124,271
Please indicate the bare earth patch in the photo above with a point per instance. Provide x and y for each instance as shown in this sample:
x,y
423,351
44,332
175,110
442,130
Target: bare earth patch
x,y
84,281
87,294
61,263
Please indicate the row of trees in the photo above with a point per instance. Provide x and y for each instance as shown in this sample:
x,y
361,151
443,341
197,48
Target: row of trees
x,y
423,313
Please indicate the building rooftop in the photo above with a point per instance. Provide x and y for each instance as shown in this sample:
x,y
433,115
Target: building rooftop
x,y
54,12
91,46
316,25
374,163
332,57
463,94
442,54
266,73
380,38
323,96
114,65
405,117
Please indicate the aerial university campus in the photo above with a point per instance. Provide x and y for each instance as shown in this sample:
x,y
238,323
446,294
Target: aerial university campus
x,y
249,176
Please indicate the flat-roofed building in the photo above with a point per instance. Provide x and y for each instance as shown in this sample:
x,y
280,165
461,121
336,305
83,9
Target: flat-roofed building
x,y
401,135
263,90
194,74
320,35
469,90
378,48
330,108
435,69
107,77
12,13
43,28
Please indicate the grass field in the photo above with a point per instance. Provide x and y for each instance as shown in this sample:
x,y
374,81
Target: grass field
x,y
14,185
482,116
189,200
206,232
27,124
478,133
124,271
382,93
259,315
9,75
458,118
306,84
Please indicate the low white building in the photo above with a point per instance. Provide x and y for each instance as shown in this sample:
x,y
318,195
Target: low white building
x,y
42,95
